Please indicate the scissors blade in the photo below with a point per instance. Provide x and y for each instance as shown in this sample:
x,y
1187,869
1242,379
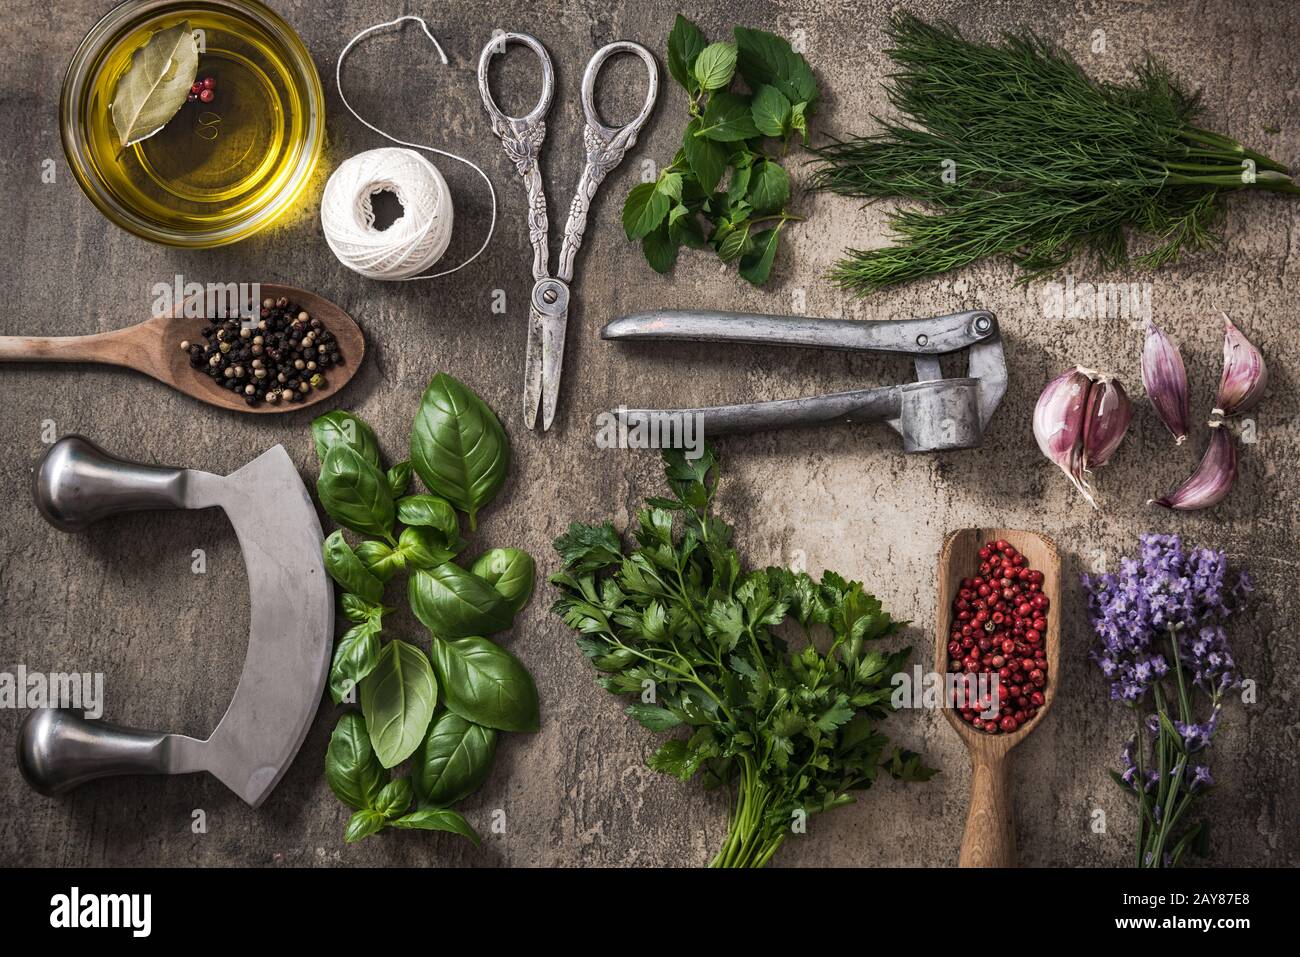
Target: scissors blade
x,y
552,365
533,368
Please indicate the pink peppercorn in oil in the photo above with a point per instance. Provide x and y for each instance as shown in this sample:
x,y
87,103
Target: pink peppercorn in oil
x,y
999,630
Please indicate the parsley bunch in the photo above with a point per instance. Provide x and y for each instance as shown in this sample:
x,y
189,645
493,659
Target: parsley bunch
x,y
679,625
689,204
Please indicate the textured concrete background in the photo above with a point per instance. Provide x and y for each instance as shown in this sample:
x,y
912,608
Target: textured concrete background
x,y
121,598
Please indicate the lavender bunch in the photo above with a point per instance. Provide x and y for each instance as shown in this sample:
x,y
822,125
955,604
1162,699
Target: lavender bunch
x,y
1164,650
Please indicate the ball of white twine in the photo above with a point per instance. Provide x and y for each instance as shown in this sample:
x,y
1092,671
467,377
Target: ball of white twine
x,y
415,240
419,238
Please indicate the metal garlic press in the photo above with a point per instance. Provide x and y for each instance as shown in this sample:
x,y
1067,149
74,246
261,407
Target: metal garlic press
x,y
932,414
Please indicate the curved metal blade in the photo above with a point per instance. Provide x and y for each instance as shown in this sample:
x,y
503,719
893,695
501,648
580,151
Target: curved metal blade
x,y
291,626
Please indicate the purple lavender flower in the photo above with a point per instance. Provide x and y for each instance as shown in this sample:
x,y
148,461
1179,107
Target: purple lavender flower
x,y
1166,588
1201,778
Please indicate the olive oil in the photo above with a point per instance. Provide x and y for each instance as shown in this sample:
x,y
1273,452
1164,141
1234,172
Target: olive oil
x,y
214,167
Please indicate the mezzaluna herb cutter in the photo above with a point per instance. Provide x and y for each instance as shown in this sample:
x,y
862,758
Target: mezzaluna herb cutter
x,y
932,414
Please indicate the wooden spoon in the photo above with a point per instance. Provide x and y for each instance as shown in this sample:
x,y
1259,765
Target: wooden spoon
x,y
990,836
153,347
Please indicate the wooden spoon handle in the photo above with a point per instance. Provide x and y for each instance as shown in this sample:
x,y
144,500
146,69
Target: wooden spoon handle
x,y
114,348
990,836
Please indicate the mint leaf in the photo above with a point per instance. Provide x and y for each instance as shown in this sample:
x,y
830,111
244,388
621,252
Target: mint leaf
x,y
684,44
770,187
727,119
799,120
644,210
735,241
707,159
756,266
670,184
739,184
685,230
771,111
767,60
660,249
715,66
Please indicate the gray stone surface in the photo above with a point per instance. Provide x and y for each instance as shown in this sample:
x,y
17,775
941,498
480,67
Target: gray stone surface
x,y
121,598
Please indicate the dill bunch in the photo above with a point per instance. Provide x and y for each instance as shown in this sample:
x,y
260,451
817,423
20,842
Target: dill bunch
x,y
1014,151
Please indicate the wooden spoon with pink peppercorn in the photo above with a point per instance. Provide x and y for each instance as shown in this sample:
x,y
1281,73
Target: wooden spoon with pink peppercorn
x,y
154,348
990,836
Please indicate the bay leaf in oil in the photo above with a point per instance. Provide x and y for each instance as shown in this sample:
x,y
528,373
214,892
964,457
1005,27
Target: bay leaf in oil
x,y
156,83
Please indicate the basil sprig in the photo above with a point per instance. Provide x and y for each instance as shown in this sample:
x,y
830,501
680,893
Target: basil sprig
x,y
443,713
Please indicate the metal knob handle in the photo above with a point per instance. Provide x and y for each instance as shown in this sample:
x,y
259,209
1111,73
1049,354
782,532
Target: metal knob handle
x,y
59,750
77,483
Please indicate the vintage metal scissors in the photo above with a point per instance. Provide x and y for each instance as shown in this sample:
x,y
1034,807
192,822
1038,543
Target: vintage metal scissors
x,y
522,136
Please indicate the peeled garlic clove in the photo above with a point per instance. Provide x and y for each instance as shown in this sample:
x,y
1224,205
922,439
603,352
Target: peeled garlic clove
x,y
1165,378
1213,478
1105,420
1244,374
1058,423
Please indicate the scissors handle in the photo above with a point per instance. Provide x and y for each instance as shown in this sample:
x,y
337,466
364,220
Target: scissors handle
x,y
521,137
606,145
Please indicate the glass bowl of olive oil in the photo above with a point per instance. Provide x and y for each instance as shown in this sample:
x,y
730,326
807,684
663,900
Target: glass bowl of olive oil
x,y
219,170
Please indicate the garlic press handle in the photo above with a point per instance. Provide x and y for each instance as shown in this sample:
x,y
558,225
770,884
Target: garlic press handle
x,y
924,337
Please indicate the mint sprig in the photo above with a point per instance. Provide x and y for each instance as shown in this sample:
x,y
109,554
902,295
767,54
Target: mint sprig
x,y
724,189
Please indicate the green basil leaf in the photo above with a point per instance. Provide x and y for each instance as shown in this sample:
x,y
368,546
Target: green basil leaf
x,y
430,511
352,771
362,824
348,570
707,159
355,656
768,60
644,209
380,559
354,492
395,799
337,427
510,571
439,819
770,189
486,684
458,446
771,111
660,249
423,547
454,760
727,119
715,66
757,265
355,608
454,603
684,44
398,698
399,478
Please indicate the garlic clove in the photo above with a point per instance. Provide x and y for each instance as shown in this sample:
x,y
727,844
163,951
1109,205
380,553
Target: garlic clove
x,y
1165,378
1213,478
1105,420
1059,420
1244,374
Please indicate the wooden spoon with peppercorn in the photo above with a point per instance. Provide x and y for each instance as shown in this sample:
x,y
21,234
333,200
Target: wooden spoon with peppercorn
x,y
312,343
990,836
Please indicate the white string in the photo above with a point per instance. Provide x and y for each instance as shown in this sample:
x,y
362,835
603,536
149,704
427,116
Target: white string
x,y
338,82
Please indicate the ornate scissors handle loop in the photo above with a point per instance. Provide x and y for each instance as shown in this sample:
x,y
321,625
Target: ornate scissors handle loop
x,y
522,136
605,145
